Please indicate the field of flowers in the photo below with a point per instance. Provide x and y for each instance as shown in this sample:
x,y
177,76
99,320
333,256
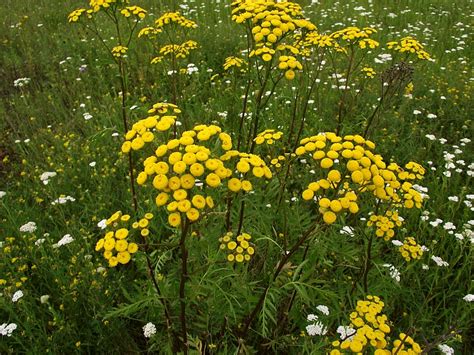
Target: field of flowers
x,y
236,177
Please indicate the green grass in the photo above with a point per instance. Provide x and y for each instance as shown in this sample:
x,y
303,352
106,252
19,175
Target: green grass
x,y
93,308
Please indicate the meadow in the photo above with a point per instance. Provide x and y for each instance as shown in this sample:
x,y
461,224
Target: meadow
x,y
236,177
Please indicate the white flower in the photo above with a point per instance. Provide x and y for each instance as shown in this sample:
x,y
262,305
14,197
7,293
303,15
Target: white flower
x,y
347,230
2,194
29,227
418,112
394,273
469,297
102,224
397,243
431,115
449,226
46,176
92,164
17,295
63,199
39,241
149,330
323,309
7,329
87,116
312,317
445,349
21,82
317,328
431,137
346,332
64,240
439,261
44,299
453,198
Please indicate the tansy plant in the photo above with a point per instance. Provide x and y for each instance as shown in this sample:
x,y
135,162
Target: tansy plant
x,y
193,173
125,19
169,37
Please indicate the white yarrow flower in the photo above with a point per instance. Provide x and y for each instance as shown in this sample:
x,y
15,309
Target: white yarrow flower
x,y
469,297
323,309
64,240
7,329
439,261
149,330
29,227
445,349
17,295
317,328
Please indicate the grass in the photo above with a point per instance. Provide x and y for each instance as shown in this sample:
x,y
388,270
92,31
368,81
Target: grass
x,y
94,308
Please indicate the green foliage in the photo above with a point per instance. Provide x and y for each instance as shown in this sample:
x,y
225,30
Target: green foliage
x,y
68,119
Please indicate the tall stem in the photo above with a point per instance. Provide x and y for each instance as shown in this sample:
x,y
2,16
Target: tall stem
x,y
340,116
250,318
182,284
368,263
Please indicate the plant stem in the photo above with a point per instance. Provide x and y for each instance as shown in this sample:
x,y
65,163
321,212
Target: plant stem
x,y
367,263
249,319
182,284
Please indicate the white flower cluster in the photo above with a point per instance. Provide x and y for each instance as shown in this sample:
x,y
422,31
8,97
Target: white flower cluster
x,y
149,330
445,349
439,261
17,295
29,227
7,329
46,176
20,82
64,240
62,200
394,273
317,327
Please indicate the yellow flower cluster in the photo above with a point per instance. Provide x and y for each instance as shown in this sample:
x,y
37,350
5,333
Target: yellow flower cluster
x,y
176,166
276,162
142,131
370,327
314,38
270,22
410,250
116,240
353,170
233,62
361,36
119,51
268,136
174,17
164,108
134,10
76,14
96,5
409,45
369,72
177,50
385,224
400,346
289,63
149,31
238,250
414,171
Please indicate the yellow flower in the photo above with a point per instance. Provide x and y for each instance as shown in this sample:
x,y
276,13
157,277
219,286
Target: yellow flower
x,y
174,219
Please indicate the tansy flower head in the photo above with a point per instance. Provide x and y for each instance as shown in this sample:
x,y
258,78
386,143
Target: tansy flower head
x,y
349,168
116,245
237,249
409,45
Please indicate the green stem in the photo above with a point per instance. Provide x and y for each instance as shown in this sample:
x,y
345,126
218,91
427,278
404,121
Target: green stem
x,y
182,284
